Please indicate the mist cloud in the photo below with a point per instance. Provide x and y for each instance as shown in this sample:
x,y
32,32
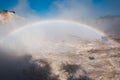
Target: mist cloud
x,y
73,9
15,51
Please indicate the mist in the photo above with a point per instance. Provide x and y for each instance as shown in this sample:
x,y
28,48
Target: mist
x,y
26,52
76,10
56,47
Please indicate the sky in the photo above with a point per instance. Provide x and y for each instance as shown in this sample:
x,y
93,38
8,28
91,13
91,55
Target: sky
x,y
63,8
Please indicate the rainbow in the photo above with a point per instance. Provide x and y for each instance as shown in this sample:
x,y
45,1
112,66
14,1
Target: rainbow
x,y
26,26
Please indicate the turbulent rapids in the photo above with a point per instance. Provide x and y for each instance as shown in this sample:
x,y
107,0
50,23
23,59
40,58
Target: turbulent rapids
x,y
55,50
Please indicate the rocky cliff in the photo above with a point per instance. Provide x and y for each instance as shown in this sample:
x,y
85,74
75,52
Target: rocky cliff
x,y
109,24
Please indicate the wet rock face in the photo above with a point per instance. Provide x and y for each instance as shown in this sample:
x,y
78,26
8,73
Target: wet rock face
x,y
9,18
6,16
10,21
109,25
